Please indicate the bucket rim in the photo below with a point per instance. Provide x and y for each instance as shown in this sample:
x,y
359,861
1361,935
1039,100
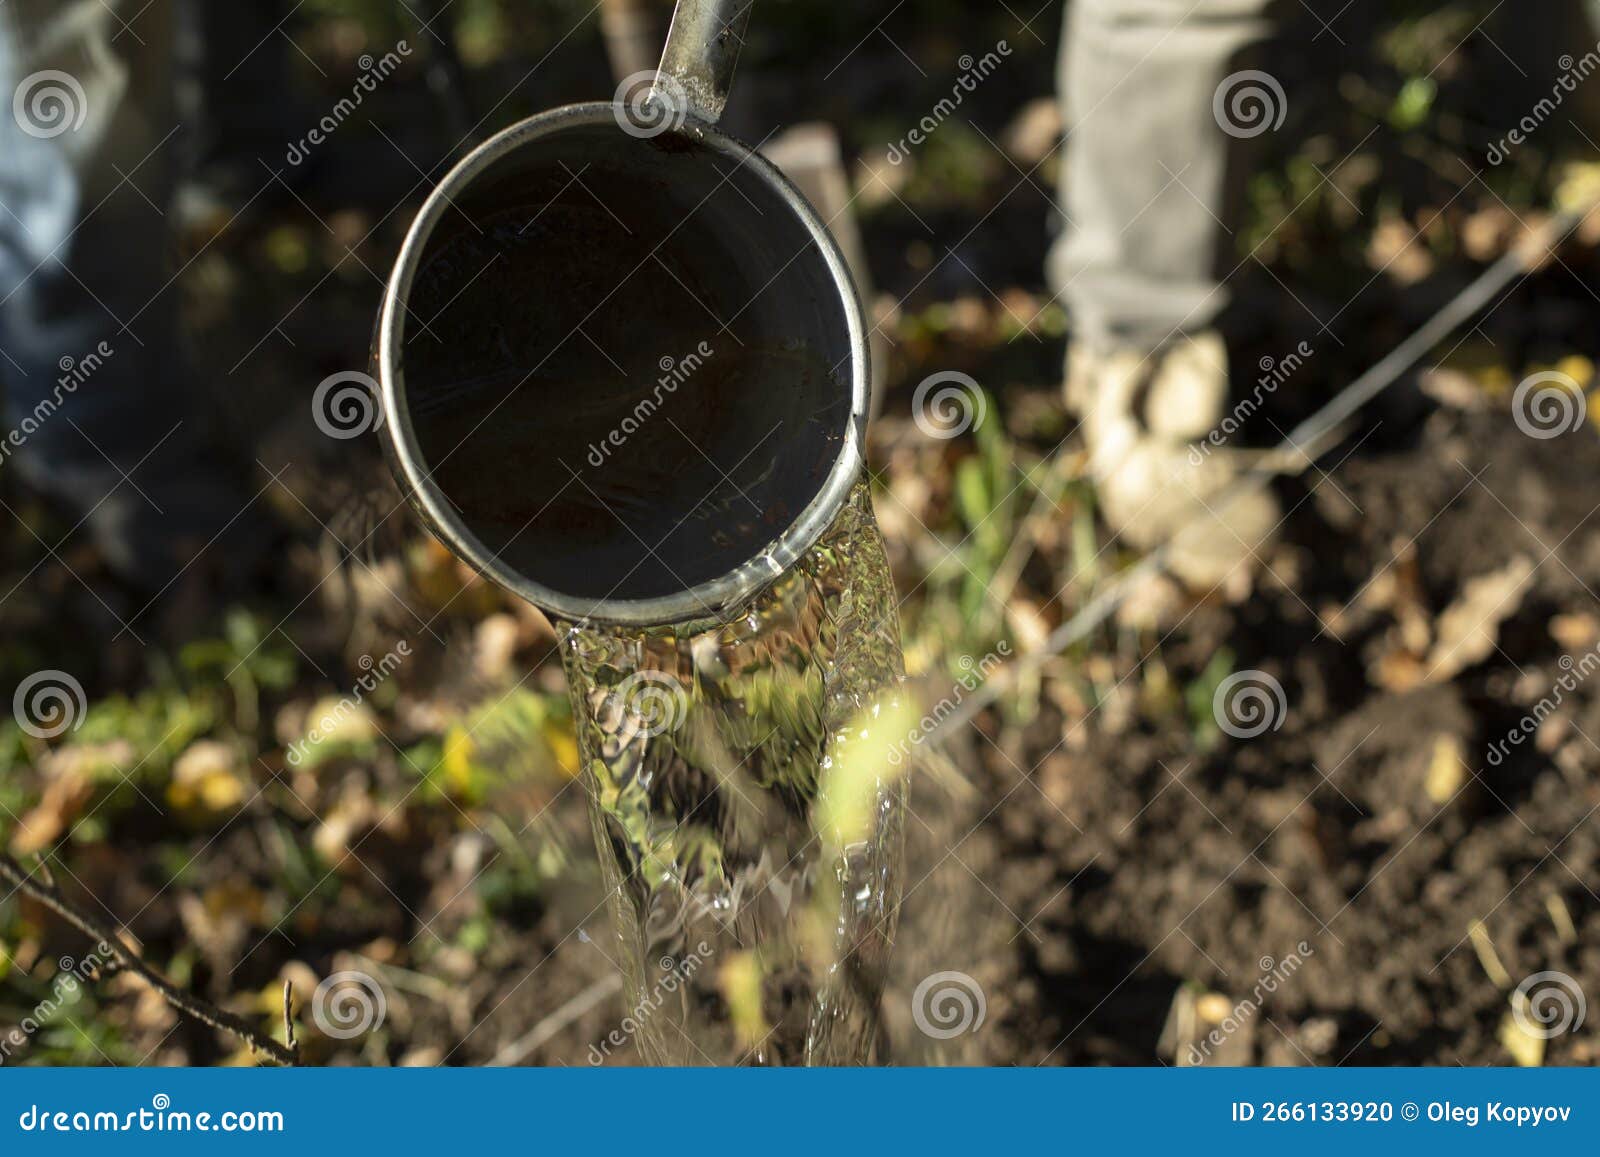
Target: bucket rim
x,y
704,600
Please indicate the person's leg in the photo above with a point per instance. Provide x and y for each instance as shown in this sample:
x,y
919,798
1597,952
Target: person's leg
x,y
1157,102
96,408
1147,161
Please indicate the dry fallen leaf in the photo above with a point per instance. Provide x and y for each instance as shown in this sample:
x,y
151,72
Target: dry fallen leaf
x,y
1575,632
1213,1007
493,645
63,801
1467,631
1453,388
207,778
1399,671
1398,250
1578,187
1526,1048
1032,134
1447,770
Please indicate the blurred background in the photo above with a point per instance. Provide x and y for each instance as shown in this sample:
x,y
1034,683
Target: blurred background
x,y
1372,879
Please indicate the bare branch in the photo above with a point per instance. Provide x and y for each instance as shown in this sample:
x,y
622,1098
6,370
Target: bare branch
x,y
42,889
288,1017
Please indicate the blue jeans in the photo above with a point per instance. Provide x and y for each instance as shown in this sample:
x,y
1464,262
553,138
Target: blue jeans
x,y
98,413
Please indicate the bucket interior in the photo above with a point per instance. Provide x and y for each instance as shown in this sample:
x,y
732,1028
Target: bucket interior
x,y
625,363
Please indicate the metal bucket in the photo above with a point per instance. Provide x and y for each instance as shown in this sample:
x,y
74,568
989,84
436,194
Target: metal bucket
x,y
623,367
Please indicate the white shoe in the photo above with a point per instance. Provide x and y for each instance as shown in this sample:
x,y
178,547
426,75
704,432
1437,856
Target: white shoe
x,y
1148,420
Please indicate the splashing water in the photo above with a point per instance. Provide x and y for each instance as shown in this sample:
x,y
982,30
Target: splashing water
x,y
748,824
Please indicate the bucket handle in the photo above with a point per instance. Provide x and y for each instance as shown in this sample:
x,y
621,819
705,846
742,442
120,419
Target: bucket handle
x,y
702,51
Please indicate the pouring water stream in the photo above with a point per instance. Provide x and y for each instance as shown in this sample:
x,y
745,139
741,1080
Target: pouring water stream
x,y
746,934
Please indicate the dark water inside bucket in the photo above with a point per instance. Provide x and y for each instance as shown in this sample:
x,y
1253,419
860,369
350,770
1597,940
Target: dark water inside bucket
x,y
626,364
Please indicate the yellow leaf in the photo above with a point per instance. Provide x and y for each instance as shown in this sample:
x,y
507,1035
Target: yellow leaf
x,y
1579,186
867,757
740,977
463,775
1447,770
457,760
563,745
207,778
343,721
1526,1049
1214,1008
1577,367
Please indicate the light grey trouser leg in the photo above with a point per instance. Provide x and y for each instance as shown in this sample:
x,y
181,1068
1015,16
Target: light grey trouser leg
x,y
1146,162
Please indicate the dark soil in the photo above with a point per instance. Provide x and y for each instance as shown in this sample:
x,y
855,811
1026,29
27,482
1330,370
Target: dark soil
x,y
1159,866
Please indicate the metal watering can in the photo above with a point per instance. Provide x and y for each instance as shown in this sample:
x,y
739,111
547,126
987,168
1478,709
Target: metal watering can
x,y
623,368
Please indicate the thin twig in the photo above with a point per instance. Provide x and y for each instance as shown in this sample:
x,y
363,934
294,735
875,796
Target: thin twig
x,y
288,1018
124,957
